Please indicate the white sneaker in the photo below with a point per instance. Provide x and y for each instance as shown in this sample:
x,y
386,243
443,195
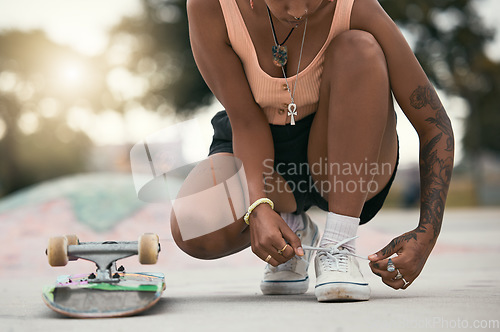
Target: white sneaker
x,y
338,277
291,277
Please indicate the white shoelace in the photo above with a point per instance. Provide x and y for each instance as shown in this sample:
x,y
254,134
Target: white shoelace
x,y
333,258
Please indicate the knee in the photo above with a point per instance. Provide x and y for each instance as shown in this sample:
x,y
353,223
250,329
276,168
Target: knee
x,y
197,247
216,244
203,216
355,49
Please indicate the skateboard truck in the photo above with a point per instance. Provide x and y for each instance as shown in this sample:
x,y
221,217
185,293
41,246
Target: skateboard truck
x,y
103,254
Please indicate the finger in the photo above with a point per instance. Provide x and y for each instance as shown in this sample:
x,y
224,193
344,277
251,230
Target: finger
x,y
402,283
293,240
275,253
267,255
384,274
408,283
268,258
266,247
396,284
273,262
287,251
407,280
379,266
390,249
380,269
390,276
375,268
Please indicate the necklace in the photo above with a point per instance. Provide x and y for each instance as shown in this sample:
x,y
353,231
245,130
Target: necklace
x,y
292,107
280,52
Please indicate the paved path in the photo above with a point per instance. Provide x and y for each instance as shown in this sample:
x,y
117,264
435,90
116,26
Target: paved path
x,y
459,287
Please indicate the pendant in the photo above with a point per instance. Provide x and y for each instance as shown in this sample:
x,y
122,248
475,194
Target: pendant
x,y
280,55
292,111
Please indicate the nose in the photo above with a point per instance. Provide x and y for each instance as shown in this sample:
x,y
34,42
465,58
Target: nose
x,y
297,9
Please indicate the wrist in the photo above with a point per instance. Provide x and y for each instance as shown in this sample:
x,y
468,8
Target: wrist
x,y
426,235
259,211
258,203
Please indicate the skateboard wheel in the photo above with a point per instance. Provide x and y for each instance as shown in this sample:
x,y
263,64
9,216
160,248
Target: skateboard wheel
x,y
57,251
148,248
72,240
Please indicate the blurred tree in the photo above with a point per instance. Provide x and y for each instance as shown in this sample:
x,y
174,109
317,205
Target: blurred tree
x,y
155,48
43,85
149,65
449,43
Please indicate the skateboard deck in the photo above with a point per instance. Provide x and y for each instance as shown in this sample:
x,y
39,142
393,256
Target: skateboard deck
x,y
109,292
77,296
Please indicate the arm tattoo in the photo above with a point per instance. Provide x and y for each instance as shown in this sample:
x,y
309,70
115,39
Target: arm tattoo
x,y
423,96
436,175
391,247
435,166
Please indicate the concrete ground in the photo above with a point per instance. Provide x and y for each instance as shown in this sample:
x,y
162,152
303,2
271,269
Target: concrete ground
x,y
459,287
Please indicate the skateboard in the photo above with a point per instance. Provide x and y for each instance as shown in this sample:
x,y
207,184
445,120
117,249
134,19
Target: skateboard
x,y
109,291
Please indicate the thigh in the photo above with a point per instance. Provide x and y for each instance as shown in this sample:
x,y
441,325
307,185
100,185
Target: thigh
x,y
348,61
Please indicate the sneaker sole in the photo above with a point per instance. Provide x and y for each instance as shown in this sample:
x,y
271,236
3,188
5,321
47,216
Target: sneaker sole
x,y
284,287
342,291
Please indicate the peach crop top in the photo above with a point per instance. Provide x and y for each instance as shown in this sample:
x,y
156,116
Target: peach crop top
x,y
269,92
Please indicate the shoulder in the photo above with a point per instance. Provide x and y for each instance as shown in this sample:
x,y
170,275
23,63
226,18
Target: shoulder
x,y
205,18
203,8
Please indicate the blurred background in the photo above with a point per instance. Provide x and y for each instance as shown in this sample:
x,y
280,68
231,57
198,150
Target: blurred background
x,y
82,81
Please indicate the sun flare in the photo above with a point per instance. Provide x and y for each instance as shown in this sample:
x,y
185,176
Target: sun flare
x,y
71,72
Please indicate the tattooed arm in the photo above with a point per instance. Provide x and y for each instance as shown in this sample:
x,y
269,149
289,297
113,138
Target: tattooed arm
x,y
436,164
421,105
436,161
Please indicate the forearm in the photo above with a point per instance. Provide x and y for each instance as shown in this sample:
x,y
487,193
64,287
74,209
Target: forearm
x,y
436,166
253,145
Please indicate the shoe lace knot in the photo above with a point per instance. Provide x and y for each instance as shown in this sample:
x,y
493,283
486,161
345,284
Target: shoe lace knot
x,y
335,258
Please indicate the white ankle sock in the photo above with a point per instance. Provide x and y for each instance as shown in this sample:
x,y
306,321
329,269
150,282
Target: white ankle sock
x,y
294,221
338,228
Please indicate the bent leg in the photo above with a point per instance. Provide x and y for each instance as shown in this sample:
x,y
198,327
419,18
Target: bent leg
x,y
353,135
206,219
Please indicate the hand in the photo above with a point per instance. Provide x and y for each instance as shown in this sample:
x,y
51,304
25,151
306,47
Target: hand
x,y
412,253
269,234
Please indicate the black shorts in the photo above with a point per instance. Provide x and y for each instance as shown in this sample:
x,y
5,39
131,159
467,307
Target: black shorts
x,y
290,155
